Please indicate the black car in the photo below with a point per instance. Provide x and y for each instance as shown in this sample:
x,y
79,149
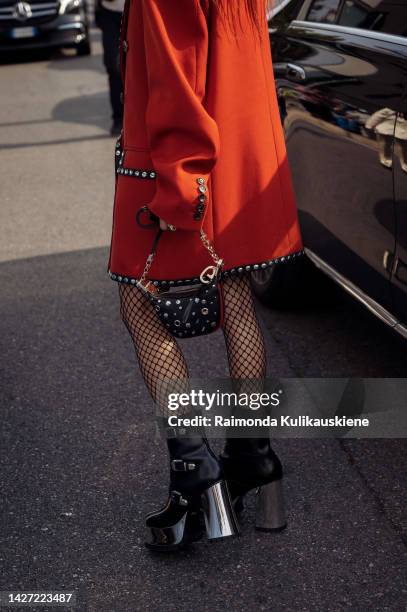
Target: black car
x,y
341,79
44,23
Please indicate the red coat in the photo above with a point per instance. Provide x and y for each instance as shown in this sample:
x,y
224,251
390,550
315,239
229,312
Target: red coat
x,y
199,104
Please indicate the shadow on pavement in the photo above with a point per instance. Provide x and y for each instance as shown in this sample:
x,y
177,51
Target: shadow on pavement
x,y
87,109
27,56
90,110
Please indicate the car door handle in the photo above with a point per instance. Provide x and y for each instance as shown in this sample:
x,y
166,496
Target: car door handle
x,y
295,72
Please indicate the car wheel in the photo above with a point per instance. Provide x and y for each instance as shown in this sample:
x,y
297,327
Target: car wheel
x,y
84,48
291,285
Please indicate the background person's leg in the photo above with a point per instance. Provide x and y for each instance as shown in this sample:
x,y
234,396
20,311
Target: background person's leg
x,y
110,25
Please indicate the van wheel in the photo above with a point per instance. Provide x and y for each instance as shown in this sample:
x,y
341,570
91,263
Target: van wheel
x,y
84,48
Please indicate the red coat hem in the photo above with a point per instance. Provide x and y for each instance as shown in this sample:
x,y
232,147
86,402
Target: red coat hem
x,y
234,272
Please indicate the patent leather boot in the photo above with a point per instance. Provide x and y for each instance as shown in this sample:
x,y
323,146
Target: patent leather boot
x,y
197,489
251,463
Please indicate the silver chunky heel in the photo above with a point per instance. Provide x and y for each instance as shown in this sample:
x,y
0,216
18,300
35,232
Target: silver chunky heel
x,y
270,513
220,519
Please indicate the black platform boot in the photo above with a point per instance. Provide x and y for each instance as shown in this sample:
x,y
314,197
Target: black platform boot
x,y
251,463
197,488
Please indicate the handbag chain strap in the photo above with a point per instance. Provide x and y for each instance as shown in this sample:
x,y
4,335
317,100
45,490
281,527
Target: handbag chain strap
x,y
206,276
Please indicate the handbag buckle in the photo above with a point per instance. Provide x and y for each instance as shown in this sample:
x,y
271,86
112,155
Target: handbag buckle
x,y
210,272
147,287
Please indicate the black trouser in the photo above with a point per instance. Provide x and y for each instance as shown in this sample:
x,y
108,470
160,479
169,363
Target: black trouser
x,y
109,22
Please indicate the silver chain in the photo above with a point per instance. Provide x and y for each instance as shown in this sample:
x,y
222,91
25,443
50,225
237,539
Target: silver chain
x,y
209,247
209,273
205,241
147,267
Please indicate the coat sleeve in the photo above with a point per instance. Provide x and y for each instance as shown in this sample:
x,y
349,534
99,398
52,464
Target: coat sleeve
x,y
183,137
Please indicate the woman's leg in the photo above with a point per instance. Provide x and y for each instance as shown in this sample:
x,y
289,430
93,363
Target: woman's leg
x,y
194,469
243,336
158,353
250,462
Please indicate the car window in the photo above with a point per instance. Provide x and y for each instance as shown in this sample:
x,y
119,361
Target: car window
x,y
378,15
323,11
387,16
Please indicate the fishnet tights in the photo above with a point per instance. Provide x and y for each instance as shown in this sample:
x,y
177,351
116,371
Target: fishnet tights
x,y
161,359
243,336
159,355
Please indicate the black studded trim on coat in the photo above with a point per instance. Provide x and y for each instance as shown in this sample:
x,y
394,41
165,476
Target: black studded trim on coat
x,y
232,273
142,173
137,172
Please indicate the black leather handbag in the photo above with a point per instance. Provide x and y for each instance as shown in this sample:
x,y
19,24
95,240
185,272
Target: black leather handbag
x,y
190,310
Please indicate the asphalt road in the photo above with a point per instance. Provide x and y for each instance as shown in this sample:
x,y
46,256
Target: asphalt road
x,y
80,463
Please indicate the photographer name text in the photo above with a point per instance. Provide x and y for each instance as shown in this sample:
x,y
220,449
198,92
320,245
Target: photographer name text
x,y
268,421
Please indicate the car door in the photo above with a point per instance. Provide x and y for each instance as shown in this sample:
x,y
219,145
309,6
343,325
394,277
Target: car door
x,y
340,68
399,268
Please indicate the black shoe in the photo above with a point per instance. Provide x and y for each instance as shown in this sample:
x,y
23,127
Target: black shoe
x,y
197,489
251,463
116,128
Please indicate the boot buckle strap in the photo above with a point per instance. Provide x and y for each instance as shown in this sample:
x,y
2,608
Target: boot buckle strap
x,y
177,498
179,465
